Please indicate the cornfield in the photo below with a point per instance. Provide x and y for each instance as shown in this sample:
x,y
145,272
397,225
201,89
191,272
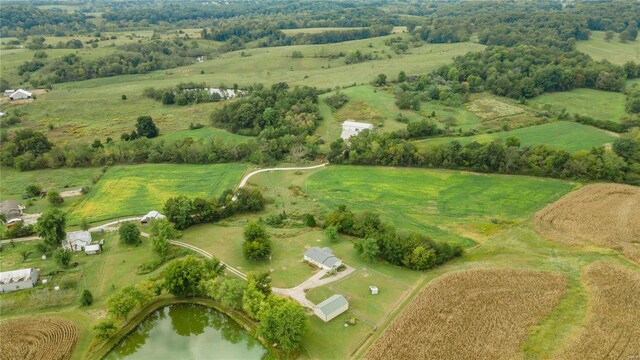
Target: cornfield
x,y
37,338
476,314
612,327
603,214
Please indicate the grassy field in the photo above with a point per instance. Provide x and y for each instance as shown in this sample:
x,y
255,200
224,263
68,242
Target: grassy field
x,y
14,181
206,134
565,135
613,51
601,105
138,189
316,30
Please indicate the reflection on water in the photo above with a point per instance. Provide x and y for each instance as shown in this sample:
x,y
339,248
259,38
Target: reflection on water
x,y
188,331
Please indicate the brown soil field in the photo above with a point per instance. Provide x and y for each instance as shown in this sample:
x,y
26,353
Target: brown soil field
x,y
602,214
37,338
475,314
611,329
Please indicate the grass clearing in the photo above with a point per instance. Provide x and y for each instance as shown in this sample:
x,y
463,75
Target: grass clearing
x,y
14,181
566,135
207,134
316,30
598,104
137,189
490,108
614,51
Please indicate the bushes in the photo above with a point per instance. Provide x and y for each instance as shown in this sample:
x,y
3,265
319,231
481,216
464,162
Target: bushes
x,y
337,100
257,245
54,198
62,256
129,233
86,298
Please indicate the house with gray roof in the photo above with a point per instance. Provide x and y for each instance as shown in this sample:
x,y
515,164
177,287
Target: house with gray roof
x,y
11,211
322,258
77,240
331,307
18,279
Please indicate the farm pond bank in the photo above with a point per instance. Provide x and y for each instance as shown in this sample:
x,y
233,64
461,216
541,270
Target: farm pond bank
x,y
188,331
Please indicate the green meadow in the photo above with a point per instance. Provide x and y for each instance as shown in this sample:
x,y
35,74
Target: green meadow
x,y
600,105
614,51
206,134
137,189
14,182
569,136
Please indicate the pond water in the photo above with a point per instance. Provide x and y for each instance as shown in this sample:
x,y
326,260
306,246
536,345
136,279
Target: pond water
x,y
188,331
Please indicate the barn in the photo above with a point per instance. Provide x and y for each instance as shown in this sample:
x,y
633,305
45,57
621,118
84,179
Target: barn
x,y
322,258
353,128
20,94
18,279
331,307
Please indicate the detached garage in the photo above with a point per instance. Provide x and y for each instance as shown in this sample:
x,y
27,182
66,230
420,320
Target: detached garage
x,y
332,307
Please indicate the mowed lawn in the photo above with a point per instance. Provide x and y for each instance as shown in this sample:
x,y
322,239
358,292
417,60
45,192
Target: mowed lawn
x,y
137,189
600,105
613,51
447,205
564,135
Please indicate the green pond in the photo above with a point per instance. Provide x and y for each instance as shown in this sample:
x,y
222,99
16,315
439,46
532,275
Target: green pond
x,y
188,331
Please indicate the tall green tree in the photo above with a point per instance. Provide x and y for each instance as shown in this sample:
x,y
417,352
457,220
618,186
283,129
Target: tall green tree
x,y
162,231
231,292
50,227
182,277
129,233
146,127
283,322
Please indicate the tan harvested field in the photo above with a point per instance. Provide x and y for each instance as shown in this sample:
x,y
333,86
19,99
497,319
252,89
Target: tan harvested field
x,y
612,327
602,214
37,339
489,108
475,314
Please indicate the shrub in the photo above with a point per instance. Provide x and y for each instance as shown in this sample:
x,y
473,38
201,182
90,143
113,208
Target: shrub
x,y
86,298
104,328
62,256
33,190
54,198
129,233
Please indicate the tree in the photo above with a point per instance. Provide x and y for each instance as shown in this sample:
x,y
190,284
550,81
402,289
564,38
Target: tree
x,y
86,298
608,35
179,210
129,233
123,302
262,281
104,328
252,300
368,248
402,77
283,322
33,190
146,127
50,227
380,80
84,224
230,293
257,245
25,254
182,277
54,198
421,259
255,231
331,232
162,231
124,97
62,256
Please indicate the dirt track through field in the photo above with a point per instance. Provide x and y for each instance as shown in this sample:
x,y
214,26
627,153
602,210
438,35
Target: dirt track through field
x,y
601,214
476,314
37,339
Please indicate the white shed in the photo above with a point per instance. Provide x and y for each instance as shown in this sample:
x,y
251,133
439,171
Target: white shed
x,y
353,128
373,289
18,279
20,94
92,249
151,215
331,307
8,93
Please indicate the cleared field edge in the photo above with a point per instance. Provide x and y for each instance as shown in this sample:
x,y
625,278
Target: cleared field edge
x,y
612,325
518,281
37,338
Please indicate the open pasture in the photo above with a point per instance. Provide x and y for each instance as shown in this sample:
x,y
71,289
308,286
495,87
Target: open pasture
x,y
601,214
614,51
611,328
598,104
138,189
488,107
569,136
206,134
439,202
14,182
37,338
471,314
316,30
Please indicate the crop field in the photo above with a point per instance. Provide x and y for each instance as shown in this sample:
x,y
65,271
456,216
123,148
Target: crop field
x,y
614,51
490,108
601,214
138,189
37,338
566,135
471,314
600,105
441,203
612,327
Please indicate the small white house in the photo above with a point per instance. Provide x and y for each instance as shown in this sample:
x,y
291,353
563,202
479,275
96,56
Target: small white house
x,y
77,240
92,249
322,258
18,279
353,128
373,289
331,307
151,215
20,94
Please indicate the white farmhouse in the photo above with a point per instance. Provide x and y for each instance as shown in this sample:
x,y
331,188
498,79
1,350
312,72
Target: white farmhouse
x,y
20,94
77,240
353,128
18,279
322,258
331,307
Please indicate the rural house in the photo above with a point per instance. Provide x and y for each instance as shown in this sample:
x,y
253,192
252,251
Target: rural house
x,y
331,307
353,128
11,210
18,279
322,258
77,240
20,94
151,215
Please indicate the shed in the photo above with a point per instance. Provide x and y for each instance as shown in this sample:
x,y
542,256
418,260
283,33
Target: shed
x,y
151,215
2,114
323,258
92,249
373,289
20,94
11,211
353,128
8,93
77,240
18,279
331,307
